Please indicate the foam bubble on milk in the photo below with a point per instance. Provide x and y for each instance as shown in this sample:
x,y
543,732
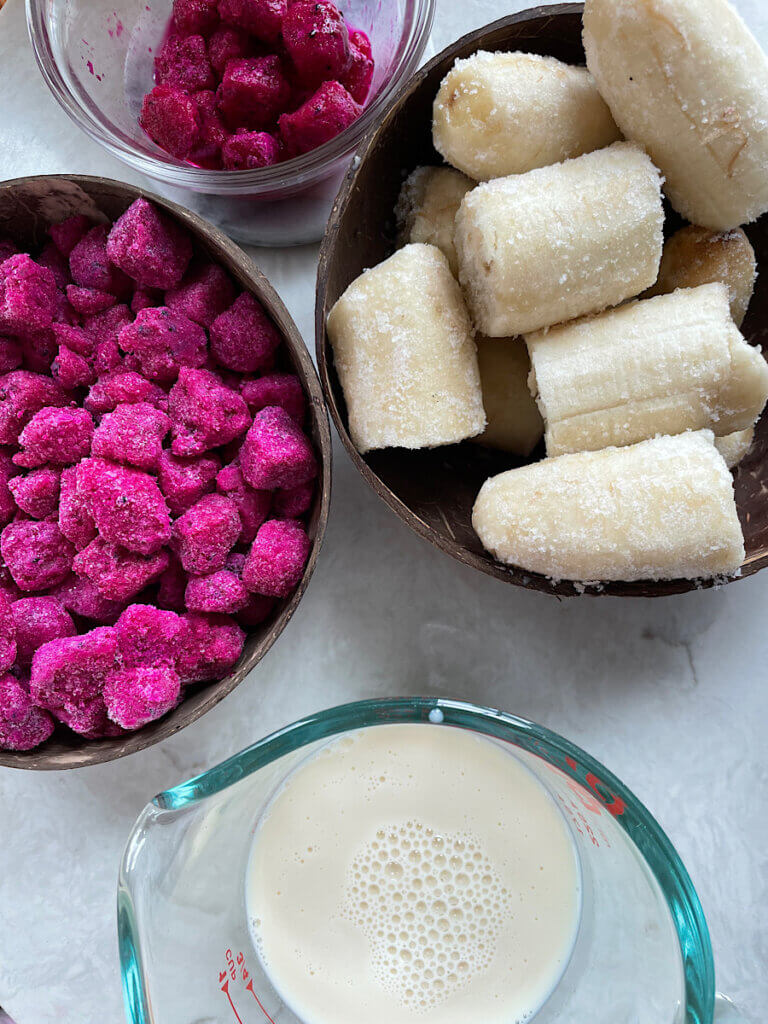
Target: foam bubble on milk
x,y
431,907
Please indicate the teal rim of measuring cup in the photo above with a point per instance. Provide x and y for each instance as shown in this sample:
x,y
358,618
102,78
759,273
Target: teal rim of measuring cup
x,y
642,828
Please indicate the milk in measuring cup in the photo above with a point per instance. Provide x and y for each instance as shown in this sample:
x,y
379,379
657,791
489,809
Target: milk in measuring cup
x,y
413,873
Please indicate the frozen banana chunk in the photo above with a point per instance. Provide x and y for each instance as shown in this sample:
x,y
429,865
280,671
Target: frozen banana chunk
x,y
514,421
735,447
427,206
657,366
661,509
695,255
403,349
560,241
506,113
688,81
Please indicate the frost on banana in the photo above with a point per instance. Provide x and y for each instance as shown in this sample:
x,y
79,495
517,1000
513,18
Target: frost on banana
x,y
694,256
687,80
657,366
560,241
734,447
514,421
427,206
506,113
404,353
661,509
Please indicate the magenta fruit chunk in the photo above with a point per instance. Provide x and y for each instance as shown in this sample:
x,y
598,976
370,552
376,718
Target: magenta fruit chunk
x,y
28,297
75,338
205,414
220,593
149,636
205,534
192,17
37,554
326,113
7,634
359,75
58,436
317,40
23,725
90,266
228,43
172,586
133,434
149,247
204,294
51,258
276,453
184,481
37,493
283,389
213,132
243,338
39,620
75,520
145,297
170,118
183,64
161,341
117,573
10,355
88,301
253,92
120,388
67,233
277,558
22,394
262,18
211,647
127,506
252,505
72,370
292,502
249,150
7,503
79,596
134,697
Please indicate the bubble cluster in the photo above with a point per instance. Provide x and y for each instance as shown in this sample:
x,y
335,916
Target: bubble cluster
x,y
431,906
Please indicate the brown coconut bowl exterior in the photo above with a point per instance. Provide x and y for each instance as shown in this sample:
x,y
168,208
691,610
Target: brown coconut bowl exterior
x,y
27,207
433,491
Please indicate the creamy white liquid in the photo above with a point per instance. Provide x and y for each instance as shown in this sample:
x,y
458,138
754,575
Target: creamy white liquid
x,y
413,873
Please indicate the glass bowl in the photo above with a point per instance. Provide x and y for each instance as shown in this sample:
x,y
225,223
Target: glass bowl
x,y
97,58
642,955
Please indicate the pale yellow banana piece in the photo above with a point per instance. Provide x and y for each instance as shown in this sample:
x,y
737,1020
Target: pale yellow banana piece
x,y
661,509
427,206
560,241
657,366
506,113
734,447
695,255
688,81
404,352
514,421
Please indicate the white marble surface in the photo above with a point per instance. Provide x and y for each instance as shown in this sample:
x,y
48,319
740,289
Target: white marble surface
x,y
671,694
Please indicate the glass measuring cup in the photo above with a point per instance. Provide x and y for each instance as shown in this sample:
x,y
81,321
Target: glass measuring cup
x,y
642,955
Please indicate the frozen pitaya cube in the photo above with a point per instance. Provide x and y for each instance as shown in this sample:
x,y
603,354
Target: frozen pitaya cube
x,y
90,266
317,40
149,636
10,354
205,414
204,294
75,338
37,493
283,389
162,341
68,677
23,725
243,338
103,330
277,558
22,394
59,436
205,534
172,586
7,504
39,350
149,247
170,118
220,593
253,92
68,233
192,17
38,555
79,596
213,131
145,297
87,301
276,453
252,505
75,519
39,620
28,297
127,506
137,696
7,635
262,18
211,647
72,370
326,113
292,502
359,75
51,258
248,150
228,43
183,64
256,611
117,573
184,481
133,434
119,388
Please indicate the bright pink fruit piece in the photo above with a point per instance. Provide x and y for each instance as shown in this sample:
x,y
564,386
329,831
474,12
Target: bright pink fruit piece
x,y
262,18
252,506
88,301
37,493
243,338
39,349
293,502
172,586
359,75
317,40
276,453
212,646
118,388
10,354
220,593
145,297
195,16
67,233
277,558
149,636
28,296
183,64
253,92
90,266
22,394
137,696
226,44
213,131
79,596
51,258
72,370
117,573
37,554
256,611
127,506
204,294
75,520
203,537
39,620
184,481
7,634
133,434
58,436
283,389
7,503
149,247
23,725
249,150
170,118
161,341
75,338
326,113
205,414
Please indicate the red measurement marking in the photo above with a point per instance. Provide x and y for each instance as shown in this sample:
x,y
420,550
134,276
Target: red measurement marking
x,y
225,990
249,986
616,806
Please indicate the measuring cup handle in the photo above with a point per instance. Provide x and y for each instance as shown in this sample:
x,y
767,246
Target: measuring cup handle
x,y
726,1012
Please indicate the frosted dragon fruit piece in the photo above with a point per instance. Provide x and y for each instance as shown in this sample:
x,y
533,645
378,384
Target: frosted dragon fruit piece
x,y
22,394
275,564
66,234
220,593
117,573
127,506
283,389
292,502
253,92
276,453
262,18
39,350
39,620
58,436
248,150
195,17
183,64
91,267
228,43
256,611
243,338
51,258
252,505
213,131
326,113
88,301
205,293
103,329
80,597
72,370
184,481
115,389
133,435
134,697
149,636
149,247
204,535
170,118
23,725
205,414
37,554
162,341
11,355
75,520
37,493
317,40
7,635
359,75
143,298
211,648
7,503
172,587
75,338
28,297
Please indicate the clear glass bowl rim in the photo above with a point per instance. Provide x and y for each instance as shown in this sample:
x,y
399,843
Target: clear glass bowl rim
x,y
642,828
301,170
